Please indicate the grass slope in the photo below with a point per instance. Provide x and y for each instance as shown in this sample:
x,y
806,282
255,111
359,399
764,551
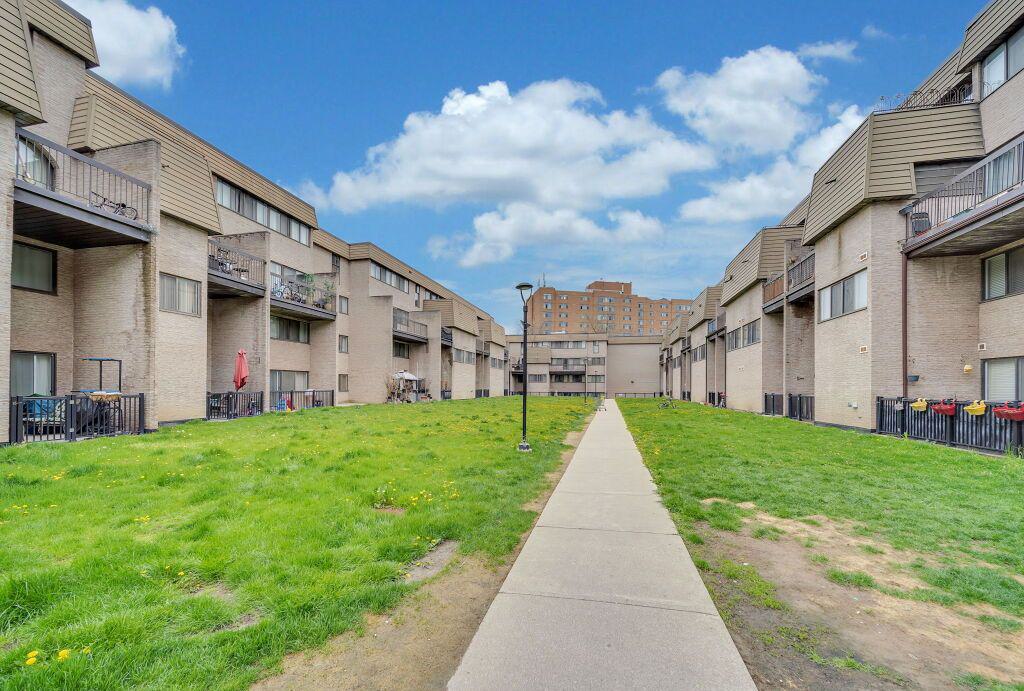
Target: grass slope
x,y
143,558
963,507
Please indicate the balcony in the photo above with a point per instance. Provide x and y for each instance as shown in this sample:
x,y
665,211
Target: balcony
x,y
310,296
68,199
977,211
233,272
483,347
717,324
568,366
772,293
800,279
76,416
446,336
927,98
404,329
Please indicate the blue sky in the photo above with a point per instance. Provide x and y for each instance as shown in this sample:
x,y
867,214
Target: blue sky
x,y
490,143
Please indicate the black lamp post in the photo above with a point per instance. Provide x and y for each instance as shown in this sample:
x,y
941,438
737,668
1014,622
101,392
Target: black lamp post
x,y
523,288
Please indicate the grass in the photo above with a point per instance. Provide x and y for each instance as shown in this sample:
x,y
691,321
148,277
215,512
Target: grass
x,y
198,556
961,508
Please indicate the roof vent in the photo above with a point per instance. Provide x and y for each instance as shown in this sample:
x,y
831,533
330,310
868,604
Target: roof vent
x,y
982,346
862,256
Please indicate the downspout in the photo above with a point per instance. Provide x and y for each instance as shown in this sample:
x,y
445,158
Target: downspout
x,y
903,320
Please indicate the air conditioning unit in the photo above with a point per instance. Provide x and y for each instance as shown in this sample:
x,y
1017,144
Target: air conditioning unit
x,y
862,350
982,346
862,256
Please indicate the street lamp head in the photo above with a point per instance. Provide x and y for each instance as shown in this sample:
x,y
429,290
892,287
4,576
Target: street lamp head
x,y
523,287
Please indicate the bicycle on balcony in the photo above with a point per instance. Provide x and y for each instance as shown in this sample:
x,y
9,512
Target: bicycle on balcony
x,y
98,201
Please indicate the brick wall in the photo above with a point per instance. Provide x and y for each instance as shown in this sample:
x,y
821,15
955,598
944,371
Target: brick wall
x,y
798,361
743,367
463,375
7,163
632,368
59,76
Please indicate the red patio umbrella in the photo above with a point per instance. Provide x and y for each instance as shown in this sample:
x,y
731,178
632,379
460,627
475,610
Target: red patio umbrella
x,y
241,370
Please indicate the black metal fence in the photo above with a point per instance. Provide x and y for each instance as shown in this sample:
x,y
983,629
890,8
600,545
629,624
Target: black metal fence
x,y
446,394
774,404
685,395
483,393
983,432
300,400
622,394
233,404
716,398
800,407
76,416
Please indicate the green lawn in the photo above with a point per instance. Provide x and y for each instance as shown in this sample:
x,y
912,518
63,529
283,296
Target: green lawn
x,y
965,511
199,555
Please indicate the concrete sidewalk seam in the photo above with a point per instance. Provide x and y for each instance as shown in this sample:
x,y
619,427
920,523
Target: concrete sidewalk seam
x,y
606,530
607,602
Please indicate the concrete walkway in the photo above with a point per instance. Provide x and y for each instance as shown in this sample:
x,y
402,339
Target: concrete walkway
x,y
604,594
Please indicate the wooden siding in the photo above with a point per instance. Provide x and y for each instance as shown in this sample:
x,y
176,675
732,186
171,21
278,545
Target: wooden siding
x,y
931,176
945,76
454,313
773,249
705,306
18,92
988,28
63,25
742,270
538,356
498,335
331,243
697,309
902,138
838,186
117,119
798,215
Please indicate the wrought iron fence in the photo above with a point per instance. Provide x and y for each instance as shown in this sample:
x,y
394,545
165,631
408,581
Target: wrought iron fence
x,y
983,432
716,398
104,189
300,400
623,394
317,291
233,404
800,407
235,263
926,98
446,394
801,272
483,393
774,404
685,395
999,172
774,288
76,416
446,335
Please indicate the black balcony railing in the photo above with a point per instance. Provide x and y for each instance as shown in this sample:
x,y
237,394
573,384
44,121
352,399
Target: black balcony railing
x,y
800,407
483,393
76,416
773,288
103,189
316,291
300,400
976,188
235,263
801,272
716,398
446,335
233,404
446,394
405,325
984,432
652,394
774,404
927,98
684,395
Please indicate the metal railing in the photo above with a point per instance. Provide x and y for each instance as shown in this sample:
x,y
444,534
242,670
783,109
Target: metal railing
x,y
237,264
983,432
685,395
104,189
774,404
926,98
76,416
568,366
716,398
407,326
446,394
446,335
483,393
621,394
800,407
715,324
233,404
300,400
999,172
801,272
773,288
317,292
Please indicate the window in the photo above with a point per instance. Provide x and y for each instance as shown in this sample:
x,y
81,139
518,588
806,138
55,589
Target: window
x,y
244,204
1004,274
563,297
596,347
282,329
844,297
343,383
390,277
700,353
596,360
1004,379
547,305
746,335
288,380
33,374
732,340
342,344
538,378
342,304
466,357
993,69
547,296
547,315
179,294
34,268
595,378
399,349
335,262
1001,173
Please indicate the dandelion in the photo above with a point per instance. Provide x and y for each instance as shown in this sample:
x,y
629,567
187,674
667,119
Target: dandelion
x,y
181,573
87,649
30,661
34,653
63,654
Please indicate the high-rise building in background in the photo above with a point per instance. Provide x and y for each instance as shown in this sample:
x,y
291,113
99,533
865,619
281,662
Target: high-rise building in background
x,y
608,307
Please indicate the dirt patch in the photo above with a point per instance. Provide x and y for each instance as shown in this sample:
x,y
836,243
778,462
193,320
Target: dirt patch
x,y
243,622
927,643
433,562
217,591
418,645
392,510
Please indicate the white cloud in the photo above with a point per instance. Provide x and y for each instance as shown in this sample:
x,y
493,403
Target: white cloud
x,y
135,46
776,190
833,50
873,33
498,234
543,145
755,102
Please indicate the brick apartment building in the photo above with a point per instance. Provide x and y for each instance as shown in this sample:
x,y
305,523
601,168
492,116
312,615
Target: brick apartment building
x,y
900,275
608,307
127,242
